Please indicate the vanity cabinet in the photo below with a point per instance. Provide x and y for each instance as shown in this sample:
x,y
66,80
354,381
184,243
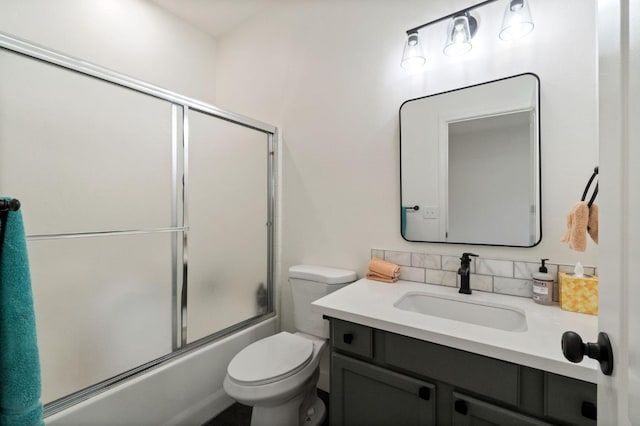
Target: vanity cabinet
x,y
382,378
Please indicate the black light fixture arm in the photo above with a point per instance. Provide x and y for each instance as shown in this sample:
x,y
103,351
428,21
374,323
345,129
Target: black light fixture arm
x,y
451,15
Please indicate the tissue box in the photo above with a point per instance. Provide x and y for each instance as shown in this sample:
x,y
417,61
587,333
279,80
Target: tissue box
x,y
579,294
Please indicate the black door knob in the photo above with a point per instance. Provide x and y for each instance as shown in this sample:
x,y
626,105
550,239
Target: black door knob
x,y
574,349
347,338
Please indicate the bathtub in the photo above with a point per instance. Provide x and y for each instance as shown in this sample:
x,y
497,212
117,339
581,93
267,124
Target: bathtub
x,y
185,391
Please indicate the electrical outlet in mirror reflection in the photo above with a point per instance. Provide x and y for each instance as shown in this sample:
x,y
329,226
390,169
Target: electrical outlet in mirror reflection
x,y
431,212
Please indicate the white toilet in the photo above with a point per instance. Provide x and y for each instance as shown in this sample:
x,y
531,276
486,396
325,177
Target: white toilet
x,y
277,375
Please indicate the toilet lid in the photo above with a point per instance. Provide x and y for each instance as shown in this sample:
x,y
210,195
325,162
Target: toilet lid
x,y
271,359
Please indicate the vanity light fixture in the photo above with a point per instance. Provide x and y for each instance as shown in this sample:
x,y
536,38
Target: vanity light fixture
x,y
462,27
413,54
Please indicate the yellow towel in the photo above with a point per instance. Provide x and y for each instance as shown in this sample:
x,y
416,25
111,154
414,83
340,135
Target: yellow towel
x,y
379,277
577,220
384,268
592,225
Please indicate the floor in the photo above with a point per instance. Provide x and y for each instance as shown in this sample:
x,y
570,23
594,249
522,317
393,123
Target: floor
x,y
240,415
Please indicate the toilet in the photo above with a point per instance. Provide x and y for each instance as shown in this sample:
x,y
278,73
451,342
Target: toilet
x,y
277,375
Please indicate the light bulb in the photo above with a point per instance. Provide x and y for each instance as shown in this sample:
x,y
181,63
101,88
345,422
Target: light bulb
x,y
458,36
517,21
413,54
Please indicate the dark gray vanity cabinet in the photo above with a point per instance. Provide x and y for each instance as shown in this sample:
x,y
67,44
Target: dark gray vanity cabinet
x,y
382,378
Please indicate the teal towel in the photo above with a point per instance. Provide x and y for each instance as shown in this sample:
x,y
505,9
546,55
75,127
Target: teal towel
x,y
19,361
403,215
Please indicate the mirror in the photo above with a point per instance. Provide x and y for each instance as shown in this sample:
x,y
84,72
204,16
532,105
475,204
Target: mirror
x,y
470,165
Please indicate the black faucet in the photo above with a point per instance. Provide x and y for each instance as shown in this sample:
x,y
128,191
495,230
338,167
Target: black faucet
x,y
465,271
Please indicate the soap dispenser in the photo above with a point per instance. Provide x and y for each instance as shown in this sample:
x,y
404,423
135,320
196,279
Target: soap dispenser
x,y
543,285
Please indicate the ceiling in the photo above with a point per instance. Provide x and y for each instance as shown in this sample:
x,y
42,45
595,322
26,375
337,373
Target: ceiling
x,y
214,17
217,17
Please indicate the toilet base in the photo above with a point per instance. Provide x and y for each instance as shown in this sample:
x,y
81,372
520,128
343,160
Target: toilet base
x,y
315,414
306,409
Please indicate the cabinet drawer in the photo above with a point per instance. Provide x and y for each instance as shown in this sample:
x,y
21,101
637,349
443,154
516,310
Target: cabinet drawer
x,y
469,411
570,400
485,376
352,338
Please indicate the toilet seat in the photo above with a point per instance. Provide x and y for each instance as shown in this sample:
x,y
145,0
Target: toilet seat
x,y
270,359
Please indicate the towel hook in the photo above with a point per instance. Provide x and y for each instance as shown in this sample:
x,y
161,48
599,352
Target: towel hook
x,y
10,204
6,205
595,190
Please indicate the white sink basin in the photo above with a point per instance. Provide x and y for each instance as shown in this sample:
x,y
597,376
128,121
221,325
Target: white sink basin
x,y
464,309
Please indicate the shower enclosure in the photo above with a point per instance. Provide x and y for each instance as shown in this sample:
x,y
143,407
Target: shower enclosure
x,y
149,217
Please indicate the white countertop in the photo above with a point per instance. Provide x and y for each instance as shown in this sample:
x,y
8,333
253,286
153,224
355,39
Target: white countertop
x,y
370,303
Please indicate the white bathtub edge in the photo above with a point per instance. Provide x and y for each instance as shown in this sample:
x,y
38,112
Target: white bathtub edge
x,y
186,391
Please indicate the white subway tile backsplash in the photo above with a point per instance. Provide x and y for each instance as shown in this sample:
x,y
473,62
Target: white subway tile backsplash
x,y
480,282
512,286
553,270
568,269
423,260
439,277
493,275
525,270
398,257
377,253
412,274
452,263
500,268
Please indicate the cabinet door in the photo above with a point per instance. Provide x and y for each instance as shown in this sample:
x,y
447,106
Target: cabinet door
x,y
469,411
570,400
364,394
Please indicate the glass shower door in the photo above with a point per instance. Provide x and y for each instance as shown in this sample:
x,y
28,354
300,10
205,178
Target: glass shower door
x,y
91,163
149,217
103,307
227,247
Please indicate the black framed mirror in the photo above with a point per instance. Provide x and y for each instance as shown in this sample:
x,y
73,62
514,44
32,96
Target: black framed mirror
x,y
470,165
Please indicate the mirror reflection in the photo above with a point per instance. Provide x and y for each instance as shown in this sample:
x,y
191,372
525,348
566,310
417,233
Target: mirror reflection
x,y
470,165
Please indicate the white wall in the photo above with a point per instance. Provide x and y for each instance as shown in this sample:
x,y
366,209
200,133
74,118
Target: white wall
x,y
490,182
133,37
328,73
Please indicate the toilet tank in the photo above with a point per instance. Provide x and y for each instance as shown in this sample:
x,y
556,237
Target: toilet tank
x,y
310,283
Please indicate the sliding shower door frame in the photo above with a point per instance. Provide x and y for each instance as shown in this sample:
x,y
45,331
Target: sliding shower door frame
x,y
180,108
